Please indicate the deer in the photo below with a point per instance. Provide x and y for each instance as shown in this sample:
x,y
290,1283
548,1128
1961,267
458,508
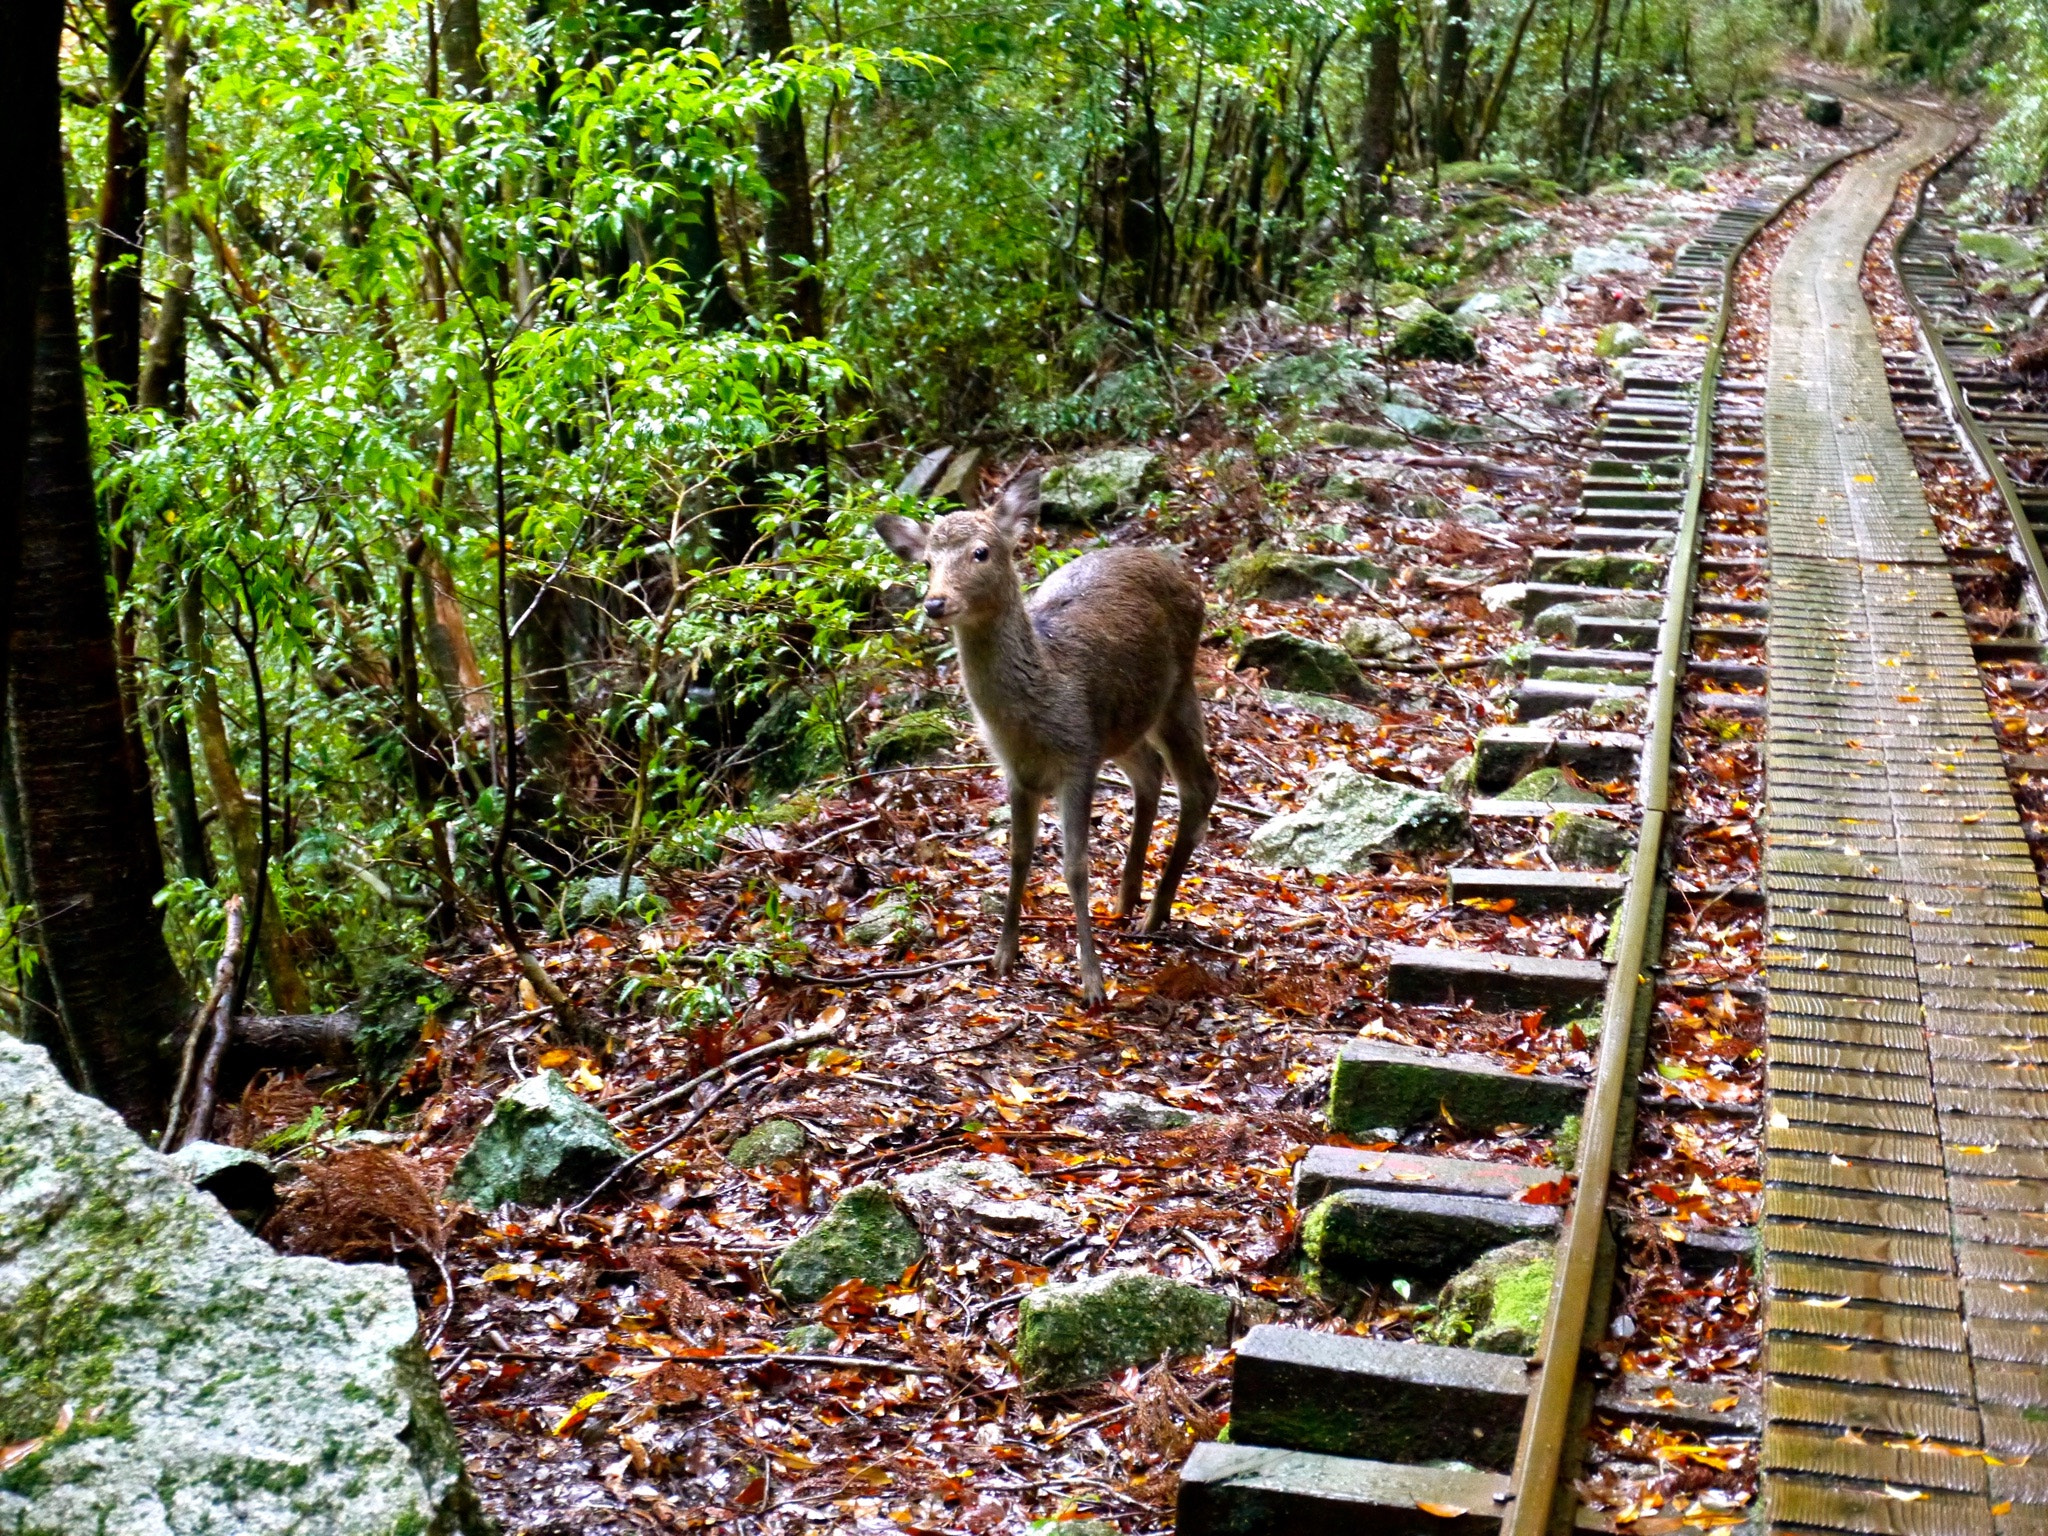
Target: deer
x,y
1097,665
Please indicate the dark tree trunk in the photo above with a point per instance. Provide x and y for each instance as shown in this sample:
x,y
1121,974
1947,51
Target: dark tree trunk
x,y
462,42
788,235
1382,110
166,708
117,989
1596,86
1452,62
124,199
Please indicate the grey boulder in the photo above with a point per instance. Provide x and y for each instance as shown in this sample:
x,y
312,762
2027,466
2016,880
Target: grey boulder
x,y
541,1143
170,1375
1351,817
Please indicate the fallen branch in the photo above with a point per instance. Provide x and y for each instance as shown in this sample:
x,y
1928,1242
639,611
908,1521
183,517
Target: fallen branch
x,y
900,973
205,1024
696,1118
796,1042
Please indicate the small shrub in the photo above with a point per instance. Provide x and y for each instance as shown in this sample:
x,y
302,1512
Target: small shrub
x,y
1434,337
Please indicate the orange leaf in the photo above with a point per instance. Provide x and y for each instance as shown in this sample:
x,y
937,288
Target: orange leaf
x,y
1441,1511
1556,1192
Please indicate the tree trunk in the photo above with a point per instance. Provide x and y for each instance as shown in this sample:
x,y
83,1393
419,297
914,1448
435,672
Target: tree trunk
x,y
788,236
117,989
1382,107
1452,62
124,199
280,969
1497,94
1596,85
162,386
462,42
165,702
450,653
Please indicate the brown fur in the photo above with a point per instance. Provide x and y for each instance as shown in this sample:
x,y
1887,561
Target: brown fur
x,y
1100,663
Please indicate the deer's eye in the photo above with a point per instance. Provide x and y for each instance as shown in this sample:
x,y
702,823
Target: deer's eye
x,y
981,553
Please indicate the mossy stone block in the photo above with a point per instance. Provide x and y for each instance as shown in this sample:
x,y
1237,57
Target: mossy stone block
x,y
541,1143
1496,1304
1375,1085
1305,666
1285,575
1351,817
1579,841
1434,337
772,1141
917,737
865,1236
1098,484
1070,1335
1553,785
1360,1235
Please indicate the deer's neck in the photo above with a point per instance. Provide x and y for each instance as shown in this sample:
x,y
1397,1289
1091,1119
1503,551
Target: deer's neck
x,y
1004,668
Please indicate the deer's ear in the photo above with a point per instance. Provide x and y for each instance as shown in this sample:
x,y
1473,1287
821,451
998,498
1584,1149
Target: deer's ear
x,y
903,536
1016,514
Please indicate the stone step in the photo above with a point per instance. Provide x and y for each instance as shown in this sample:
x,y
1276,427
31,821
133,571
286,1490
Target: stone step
x,y
1376,1084
1505,753
1535,890
1684,1404
1537,698
1536,810
1430,974
1253,1490
1326,1170
1366,1236
1341,1395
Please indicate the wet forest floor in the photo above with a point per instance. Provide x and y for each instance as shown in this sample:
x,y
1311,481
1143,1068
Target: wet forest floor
x,y
615,1369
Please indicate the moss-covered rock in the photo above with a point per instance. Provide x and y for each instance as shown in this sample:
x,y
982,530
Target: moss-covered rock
x,y
917,737
162,1371
1626,571
1822,110
793,743
894,922
1356,434
1305,666
1373,638
1358,1235
1554,785
1320,705
541,1143
1434,337
1098,484
1578,841
1070,1335
1496,1305
597,900
2000,248
1461,779
1618,340
1287,575
810,1339
1686,178
1350,817
865,1236
772,1141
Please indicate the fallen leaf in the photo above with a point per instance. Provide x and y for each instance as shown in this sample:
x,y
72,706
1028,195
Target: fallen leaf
x,y
1441,1511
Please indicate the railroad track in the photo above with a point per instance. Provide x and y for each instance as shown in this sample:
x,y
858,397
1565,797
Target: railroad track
x,y
1650,629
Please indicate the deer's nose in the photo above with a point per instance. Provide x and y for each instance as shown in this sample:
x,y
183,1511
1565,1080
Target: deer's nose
x,y
935,606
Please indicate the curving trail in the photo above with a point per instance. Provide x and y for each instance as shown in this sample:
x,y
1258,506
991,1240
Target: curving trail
x,y
1906,1281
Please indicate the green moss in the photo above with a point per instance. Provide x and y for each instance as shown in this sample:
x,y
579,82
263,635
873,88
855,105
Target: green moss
x,y
772,1141
1369,1090
1305,666
1686,179
1068,1335
1564,1150
1625,571
1285,575
1553,785
1496,1305
917,737
1434,337
1590,842
865,1236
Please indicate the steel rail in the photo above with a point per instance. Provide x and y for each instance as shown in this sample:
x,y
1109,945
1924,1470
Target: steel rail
x,y
1955,400
1547,1421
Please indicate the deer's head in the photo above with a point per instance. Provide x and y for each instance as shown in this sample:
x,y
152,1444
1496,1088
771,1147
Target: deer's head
x,y
973,556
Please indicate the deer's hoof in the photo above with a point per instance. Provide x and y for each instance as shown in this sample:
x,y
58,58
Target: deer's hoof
x,y
1005,959
1093,994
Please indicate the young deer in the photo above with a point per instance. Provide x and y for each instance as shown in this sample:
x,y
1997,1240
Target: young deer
x,y
1099,664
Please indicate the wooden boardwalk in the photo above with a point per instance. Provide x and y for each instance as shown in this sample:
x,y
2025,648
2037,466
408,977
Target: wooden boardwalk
x,y
1905,1233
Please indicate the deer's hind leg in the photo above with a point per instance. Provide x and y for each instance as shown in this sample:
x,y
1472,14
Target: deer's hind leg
x,y
1146,770
1184,741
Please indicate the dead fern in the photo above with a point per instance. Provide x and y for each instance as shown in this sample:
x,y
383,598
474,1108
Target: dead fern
x,y
362,1206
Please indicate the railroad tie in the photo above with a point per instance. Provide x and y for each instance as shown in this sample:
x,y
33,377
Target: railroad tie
x,y
1905,1223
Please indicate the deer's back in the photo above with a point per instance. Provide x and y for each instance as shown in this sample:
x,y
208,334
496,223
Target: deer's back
x,y
1121,625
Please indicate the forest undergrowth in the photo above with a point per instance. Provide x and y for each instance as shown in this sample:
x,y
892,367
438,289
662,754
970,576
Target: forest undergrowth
x,y
621,1365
